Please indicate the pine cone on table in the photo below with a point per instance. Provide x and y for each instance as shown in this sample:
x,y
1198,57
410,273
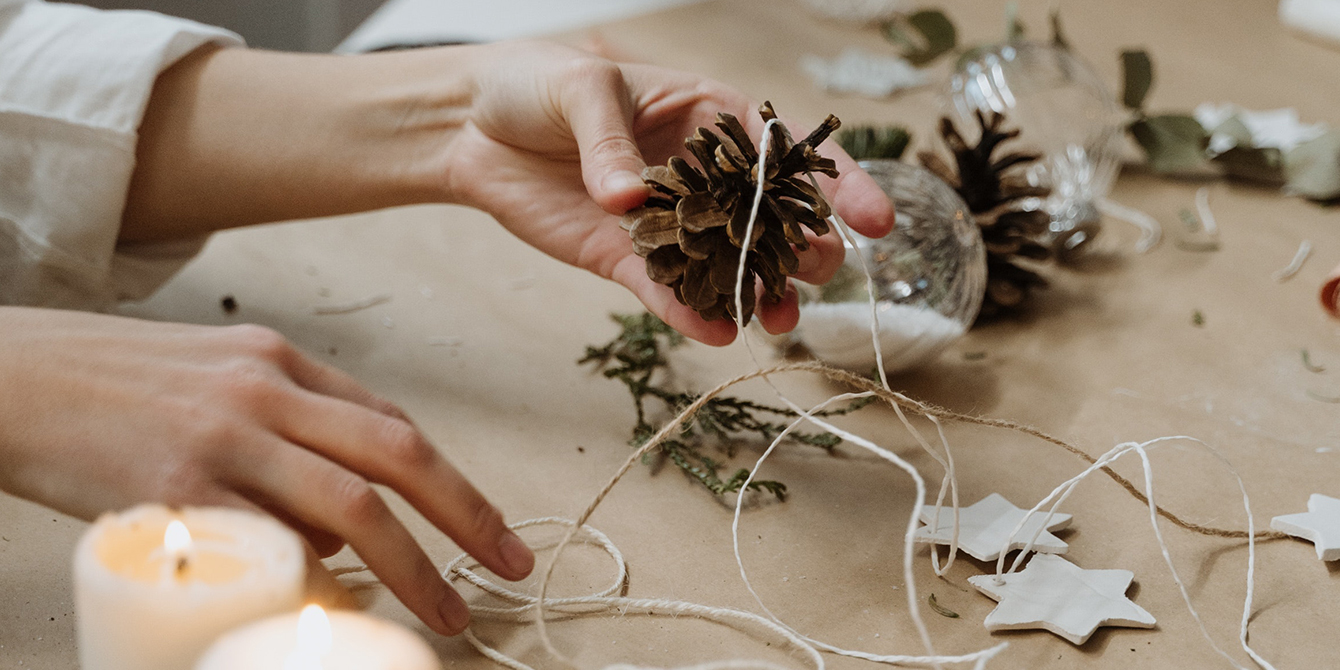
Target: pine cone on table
x,y
692,228
994,193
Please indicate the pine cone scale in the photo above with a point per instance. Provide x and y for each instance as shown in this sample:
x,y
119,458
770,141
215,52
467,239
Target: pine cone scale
x,y
697,212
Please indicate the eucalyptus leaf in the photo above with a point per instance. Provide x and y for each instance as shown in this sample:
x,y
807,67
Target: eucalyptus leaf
x,y
925,35
1173,142
1313,167
1261,164
1138,77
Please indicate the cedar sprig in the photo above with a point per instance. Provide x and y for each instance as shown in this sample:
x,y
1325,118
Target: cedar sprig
x,y
636,357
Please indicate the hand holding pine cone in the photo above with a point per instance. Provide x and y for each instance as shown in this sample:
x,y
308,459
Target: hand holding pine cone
x,y
692,228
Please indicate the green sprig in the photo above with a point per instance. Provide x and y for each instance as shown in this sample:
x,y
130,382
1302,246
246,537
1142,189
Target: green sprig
x,y
636,357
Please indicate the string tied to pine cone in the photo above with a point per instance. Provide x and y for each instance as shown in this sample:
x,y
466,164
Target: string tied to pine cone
x,y
692,228
996,192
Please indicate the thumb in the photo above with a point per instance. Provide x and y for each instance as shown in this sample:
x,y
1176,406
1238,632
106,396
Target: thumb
x,y
600,113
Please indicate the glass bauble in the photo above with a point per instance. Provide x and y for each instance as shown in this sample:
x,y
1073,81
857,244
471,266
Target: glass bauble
x,y
929,277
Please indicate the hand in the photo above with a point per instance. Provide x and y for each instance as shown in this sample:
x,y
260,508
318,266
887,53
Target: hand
x,y
554,145
550,140
99,413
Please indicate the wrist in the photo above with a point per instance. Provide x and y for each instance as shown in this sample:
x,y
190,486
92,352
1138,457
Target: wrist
x,y
234,137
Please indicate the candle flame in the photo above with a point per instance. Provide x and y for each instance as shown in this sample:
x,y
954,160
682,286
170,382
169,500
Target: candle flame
x,y
176,539
314,634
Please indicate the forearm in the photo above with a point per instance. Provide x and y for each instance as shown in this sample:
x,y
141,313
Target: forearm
x,y
233,137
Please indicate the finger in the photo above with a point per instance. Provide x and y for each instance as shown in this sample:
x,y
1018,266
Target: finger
x,y
780,316
599,110
660,300
320,540
393,452
325,495
323,543
860,201
324,379
821,261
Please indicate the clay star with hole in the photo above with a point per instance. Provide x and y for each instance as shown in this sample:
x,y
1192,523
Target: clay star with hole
x,y
1057,595
984,525
1320,524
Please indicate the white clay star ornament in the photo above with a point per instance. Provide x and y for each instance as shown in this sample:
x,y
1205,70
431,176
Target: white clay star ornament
x,y
1058,596
984,526
1320,525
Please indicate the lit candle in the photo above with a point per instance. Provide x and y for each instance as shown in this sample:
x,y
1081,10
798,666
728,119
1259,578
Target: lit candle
x,y
317,640
154,587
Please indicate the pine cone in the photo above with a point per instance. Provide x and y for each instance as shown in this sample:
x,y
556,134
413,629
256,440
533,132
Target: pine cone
x,y
1008,231
692,227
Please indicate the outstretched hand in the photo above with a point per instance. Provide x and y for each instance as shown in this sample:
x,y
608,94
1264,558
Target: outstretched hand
x,y
100,413
554,146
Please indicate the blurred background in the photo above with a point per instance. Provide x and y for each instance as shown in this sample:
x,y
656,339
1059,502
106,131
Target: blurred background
x,y
288,25
364,25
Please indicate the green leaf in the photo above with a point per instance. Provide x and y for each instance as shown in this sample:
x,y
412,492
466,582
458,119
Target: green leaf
x,y
1263,164
869,142
1138,75
1313,167
1058,36
925,35
1173,142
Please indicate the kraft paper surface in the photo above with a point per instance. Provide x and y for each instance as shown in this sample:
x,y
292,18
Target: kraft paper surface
x,y
480,340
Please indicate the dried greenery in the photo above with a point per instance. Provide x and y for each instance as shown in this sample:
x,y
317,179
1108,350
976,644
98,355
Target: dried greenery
x,y
941,609
637,358
870,142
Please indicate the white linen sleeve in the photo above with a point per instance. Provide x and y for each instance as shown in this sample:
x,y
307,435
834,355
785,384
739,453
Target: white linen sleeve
x,y
74,83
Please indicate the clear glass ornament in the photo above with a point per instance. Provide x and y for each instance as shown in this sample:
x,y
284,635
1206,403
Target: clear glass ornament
x,y
929,277
1063,110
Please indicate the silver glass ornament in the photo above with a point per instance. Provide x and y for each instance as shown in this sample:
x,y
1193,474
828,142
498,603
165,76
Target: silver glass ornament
x,y
1063,110
929,277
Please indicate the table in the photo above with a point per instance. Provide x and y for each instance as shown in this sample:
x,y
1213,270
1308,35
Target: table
x,y
1108,355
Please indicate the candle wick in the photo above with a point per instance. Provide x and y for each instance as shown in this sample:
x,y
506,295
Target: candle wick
x,y
181,565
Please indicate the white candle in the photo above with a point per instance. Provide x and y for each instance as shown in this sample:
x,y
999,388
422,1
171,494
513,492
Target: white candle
x,y
317,640
154,587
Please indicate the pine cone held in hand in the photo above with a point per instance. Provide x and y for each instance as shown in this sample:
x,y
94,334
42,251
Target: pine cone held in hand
x,y
692,228
993,192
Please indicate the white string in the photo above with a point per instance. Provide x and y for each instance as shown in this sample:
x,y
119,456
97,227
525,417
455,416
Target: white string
x,y
909,539
605,602
979,658
1060,493
1287,272
1150,229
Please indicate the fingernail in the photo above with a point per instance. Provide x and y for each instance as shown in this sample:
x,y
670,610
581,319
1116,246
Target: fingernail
x,y
454,612
622,180
516,554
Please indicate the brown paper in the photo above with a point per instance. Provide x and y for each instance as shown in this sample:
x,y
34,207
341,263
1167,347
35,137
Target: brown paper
x,y
484,333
